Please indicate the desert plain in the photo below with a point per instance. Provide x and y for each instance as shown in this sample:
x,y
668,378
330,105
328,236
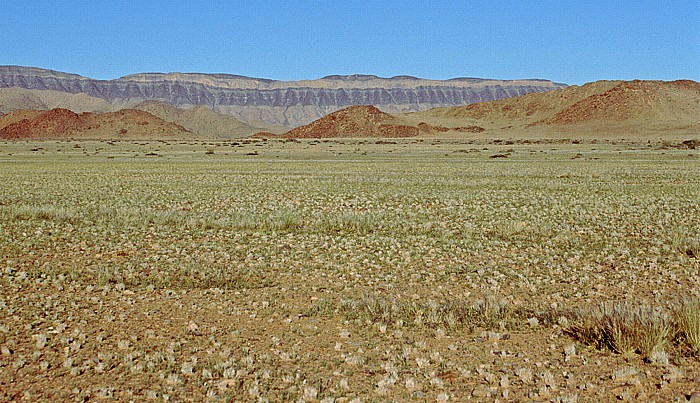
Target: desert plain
x,y
350,270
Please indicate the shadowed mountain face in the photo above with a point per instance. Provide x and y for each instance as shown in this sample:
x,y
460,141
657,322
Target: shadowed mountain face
x,y
261,102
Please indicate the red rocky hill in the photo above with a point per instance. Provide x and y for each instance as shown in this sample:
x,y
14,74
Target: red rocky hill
x,y
63,123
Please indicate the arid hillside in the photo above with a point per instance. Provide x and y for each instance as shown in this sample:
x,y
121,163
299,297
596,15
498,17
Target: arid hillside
x,y
366,121
676,102
602,108
355,121
62,123
200,120
15,98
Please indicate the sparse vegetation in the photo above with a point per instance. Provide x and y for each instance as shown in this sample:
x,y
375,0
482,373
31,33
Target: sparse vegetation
x,y
338,270
623,327
687,318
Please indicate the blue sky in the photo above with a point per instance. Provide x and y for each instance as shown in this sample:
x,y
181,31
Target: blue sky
x,y
566,41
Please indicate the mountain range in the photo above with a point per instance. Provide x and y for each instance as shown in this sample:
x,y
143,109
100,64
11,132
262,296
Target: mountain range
x,y
270,104
614,109
602,109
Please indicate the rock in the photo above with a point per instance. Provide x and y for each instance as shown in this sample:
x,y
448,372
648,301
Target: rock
x,y
624,374
227,384
569,351
193,328
659,358
5,350
672,375
481,392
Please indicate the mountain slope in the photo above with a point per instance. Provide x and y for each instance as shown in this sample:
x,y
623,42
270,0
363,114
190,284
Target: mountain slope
x,y
648,100
63,123
367,121
21,98
262,102
611,108
355,121
200,120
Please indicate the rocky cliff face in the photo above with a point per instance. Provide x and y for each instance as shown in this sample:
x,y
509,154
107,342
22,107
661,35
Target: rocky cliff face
x,y
275,103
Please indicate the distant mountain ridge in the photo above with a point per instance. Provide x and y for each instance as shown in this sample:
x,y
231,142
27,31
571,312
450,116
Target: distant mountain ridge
x,y
271,103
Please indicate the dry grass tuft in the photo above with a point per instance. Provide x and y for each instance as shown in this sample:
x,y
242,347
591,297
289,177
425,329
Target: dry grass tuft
x,y
622,327
687,318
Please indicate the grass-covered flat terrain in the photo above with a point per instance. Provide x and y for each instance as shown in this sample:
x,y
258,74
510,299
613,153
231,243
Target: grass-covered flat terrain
x,y
349,270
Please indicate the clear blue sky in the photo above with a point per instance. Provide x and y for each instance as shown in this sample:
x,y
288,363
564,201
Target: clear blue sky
x,y
565,41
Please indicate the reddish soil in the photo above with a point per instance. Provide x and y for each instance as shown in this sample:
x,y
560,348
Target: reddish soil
x,y
618,103
686,84
610,108
61,123
58,122
355,121
529,105
626,101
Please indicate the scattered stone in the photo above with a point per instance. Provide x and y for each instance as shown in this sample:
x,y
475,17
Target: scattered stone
x,y
659,358
563,321
548,379
569,351
672,375
227,384
524,374
505,382
481,392
193,328
624,374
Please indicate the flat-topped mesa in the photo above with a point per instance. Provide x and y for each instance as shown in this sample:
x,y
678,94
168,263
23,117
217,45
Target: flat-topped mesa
x,y
289,104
